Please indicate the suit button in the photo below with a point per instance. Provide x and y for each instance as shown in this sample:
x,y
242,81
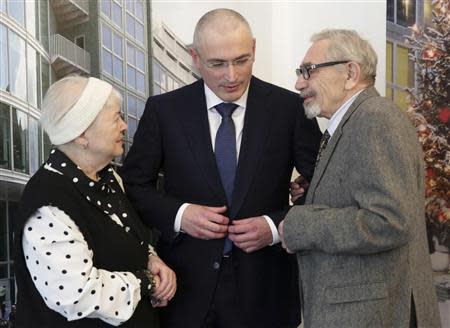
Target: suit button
x,y
216,265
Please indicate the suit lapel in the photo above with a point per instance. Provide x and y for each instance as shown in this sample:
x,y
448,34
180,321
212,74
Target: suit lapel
x,y
256,128
194,119
329,150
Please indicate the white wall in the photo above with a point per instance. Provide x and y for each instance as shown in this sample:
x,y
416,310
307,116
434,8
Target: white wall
x,y
282,29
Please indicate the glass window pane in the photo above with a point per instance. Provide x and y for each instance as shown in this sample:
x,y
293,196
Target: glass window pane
x,y
140,106
32,75
43,15
117,14
401,99
31,16
3,236
129,5
402,66
106,7
106,61
406,12
156,71
156,89
3,6
390,10
4,80
131,76
130,25
34,145
117,44
140,60
389,61
139,12
17,66
106,36
163,76
130,54
16,9
45,76
132,125
5,137
139,32
131,105
118,69
20,142
140,82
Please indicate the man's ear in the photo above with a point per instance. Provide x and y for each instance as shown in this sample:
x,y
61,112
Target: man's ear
x,y
353,75
195,57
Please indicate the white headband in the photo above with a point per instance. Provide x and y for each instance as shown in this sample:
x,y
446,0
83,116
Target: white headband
x,y
82,114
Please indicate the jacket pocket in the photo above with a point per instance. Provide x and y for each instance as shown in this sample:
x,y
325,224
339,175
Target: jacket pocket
x,y
356,293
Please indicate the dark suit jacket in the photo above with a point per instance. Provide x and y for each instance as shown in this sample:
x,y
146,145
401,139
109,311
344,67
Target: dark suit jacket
x,y
173,136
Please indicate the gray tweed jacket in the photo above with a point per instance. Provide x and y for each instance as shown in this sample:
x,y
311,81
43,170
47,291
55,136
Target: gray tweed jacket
x,y
360,238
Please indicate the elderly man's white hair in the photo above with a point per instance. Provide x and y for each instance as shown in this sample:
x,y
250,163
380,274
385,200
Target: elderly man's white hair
x,y
61,98
348,45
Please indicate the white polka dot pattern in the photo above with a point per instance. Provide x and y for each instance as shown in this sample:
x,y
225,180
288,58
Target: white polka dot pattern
x,y
60,264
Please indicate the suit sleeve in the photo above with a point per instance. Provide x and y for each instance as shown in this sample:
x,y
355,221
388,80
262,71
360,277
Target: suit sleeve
x,y
140,173
384,189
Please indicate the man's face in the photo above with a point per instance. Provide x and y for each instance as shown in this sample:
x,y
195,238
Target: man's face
x,y
323,92
225,61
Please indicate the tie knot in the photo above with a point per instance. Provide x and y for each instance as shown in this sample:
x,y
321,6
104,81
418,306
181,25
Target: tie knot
x,y
226,109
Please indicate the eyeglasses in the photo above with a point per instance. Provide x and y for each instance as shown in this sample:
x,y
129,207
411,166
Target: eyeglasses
x,y
305,70
219,65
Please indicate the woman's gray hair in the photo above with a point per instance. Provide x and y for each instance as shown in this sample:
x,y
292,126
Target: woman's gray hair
x,y
348,45
62,96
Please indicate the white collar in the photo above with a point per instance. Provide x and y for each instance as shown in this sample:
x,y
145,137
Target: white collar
x,y
212,100
339,114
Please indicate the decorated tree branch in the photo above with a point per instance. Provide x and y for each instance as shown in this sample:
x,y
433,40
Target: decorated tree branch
x,y
429,110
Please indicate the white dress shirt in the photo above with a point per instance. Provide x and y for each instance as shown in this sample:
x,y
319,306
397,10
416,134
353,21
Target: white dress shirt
x,y
214,119
334,121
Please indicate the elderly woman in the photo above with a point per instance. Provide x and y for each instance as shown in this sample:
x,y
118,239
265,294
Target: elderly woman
x,y
83,257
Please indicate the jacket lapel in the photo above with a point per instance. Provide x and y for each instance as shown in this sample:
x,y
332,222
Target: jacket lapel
x,y
256,129
194,119
329,150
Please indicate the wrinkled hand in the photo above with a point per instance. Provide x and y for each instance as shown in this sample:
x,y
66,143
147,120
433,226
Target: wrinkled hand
x,y
165,280
250,234
205,222
298,188
280,233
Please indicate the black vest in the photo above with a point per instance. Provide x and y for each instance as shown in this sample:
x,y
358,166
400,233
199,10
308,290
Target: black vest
x,y
113,250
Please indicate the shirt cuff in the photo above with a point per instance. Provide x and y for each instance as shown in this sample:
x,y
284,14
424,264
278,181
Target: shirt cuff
x,y
273,229
177,223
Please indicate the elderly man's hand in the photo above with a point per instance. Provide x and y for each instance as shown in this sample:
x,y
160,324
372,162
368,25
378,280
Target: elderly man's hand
x,y
205,222
298,188
165,281
281,234
250,234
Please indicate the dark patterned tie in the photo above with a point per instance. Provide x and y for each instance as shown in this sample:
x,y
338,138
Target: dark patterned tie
x,y
323,145
226,158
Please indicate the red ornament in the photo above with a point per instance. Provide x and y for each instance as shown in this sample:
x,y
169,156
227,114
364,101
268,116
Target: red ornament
x,y
444,115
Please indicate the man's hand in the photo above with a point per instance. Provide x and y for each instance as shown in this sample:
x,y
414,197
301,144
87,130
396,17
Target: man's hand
x,y
165,281
205,222
250,234
280,233
298,188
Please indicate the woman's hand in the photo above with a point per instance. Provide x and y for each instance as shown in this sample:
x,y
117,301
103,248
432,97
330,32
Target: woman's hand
x,y
166,281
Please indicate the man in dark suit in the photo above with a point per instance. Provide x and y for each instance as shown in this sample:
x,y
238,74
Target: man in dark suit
x,y
360,237
226,183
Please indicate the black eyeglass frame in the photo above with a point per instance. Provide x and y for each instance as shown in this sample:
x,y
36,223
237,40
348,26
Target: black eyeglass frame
x,y
305,70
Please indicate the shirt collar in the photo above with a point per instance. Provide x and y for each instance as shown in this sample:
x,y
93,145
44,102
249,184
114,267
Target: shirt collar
x,y
339,114
212,100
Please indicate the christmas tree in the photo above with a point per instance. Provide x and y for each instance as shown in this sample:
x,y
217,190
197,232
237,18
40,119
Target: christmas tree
x,y
429,110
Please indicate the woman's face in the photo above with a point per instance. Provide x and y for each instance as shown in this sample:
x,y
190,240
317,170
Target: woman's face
x,y
105,135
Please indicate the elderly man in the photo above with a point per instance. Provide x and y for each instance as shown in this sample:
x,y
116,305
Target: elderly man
x,y
360,239
227,145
